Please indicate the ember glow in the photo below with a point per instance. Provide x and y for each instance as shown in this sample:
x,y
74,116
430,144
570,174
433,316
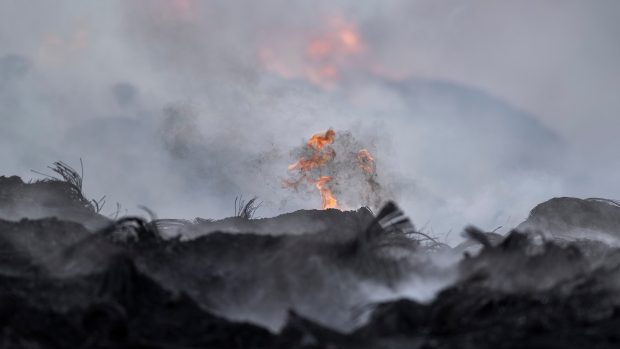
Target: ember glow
x,y
325,53
331,51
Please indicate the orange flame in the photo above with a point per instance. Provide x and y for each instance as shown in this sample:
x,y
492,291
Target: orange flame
x,y
365,161
329,201
319,140
320,156
316,160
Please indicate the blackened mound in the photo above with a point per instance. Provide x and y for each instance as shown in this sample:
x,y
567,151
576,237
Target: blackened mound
x,y
308,279
572,218
47,198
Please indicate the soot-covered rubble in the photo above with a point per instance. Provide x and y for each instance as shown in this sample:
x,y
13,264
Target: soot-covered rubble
x,y
301,280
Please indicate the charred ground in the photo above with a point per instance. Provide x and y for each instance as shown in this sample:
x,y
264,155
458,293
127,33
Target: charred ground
x,y
307,279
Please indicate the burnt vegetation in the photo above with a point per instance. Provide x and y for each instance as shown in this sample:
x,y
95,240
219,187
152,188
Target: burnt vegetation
x,y
66,176
71,277
246,210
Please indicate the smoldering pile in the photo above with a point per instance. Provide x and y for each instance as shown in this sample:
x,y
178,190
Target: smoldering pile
x,y
307,279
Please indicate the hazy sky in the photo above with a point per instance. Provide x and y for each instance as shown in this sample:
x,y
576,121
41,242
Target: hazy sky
x,y
476,110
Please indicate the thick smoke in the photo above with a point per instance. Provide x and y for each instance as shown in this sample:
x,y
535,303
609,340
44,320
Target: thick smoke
x,y
183,105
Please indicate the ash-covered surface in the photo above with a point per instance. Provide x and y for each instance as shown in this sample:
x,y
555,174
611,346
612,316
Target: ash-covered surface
x,y
307,279
48,198
576,218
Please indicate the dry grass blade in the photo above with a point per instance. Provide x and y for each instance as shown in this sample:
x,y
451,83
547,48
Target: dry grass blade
x,y
74,179
246,210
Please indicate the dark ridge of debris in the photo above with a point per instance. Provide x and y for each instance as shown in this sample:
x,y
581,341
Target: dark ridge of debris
x,y
223,271
473,244
333,223
301,280
121,308
47,198
573,218
489,309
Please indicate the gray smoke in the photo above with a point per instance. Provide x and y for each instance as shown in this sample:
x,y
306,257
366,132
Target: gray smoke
x,y
477,111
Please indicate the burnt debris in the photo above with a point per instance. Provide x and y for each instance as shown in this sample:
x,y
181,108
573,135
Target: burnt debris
x,y
70,277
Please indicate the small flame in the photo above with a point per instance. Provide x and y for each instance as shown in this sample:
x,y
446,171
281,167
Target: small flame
x,y
365,161
316,160
329,201
319,140
320,155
